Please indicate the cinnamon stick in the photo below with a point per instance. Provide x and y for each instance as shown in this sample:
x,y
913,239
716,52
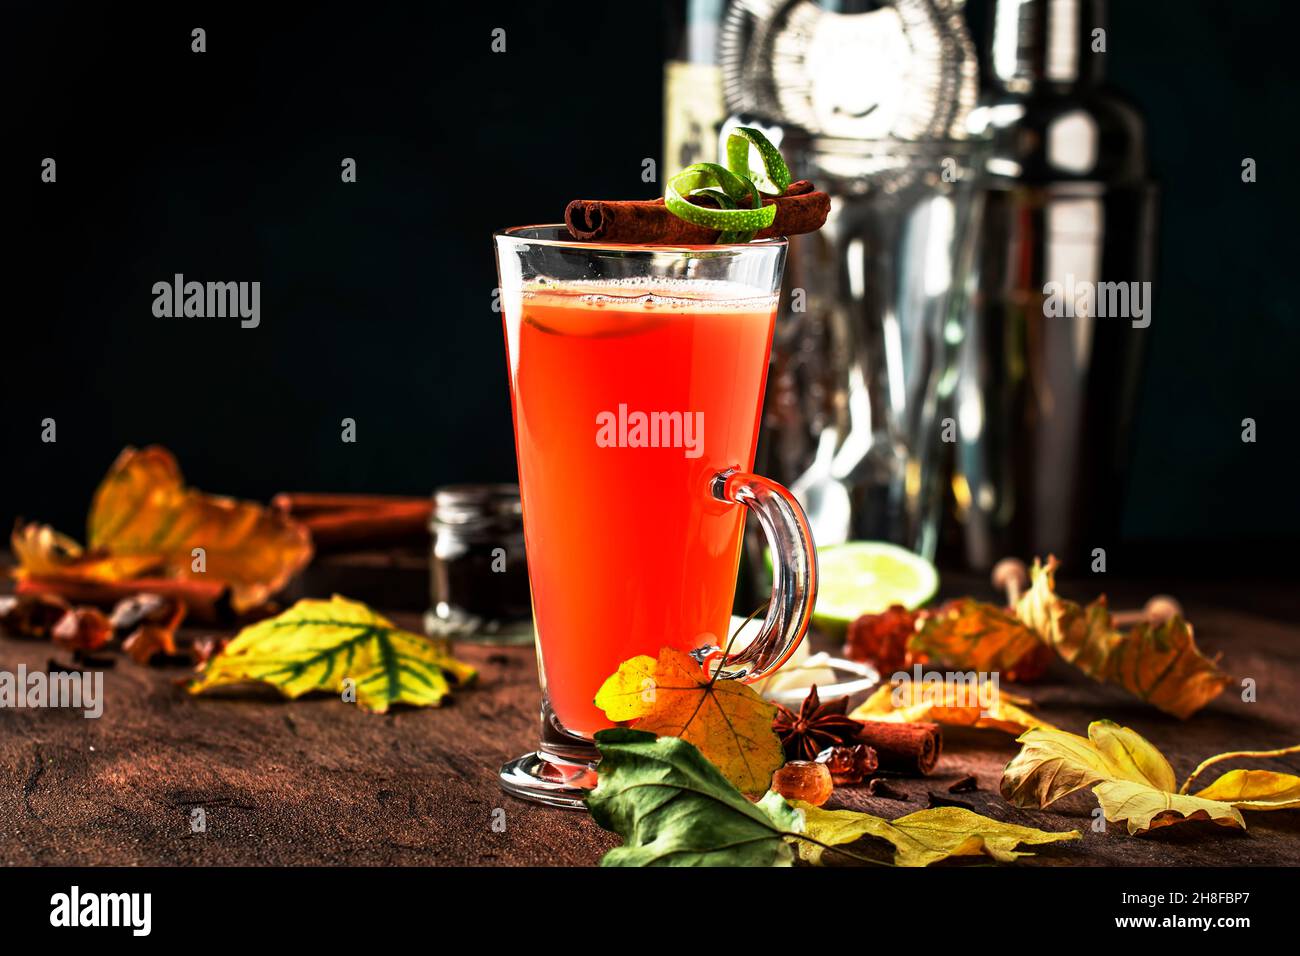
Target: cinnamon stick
x,y
398,521
300,503
339,520
904,748
799,209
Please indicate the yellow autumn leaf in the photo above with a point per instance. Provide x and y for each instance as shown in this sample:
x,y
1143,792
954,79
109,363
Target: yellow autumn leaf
x,y
1250,789
630,693
324,645
1130,756
1144,808
923,837
1255,790
1054,763
1131,779
1051,764
959,703
43,552
1159,663
675,697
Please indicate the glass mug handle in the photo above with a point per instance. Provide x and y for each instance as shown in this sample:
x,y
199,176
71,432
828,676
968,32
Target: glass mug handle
x,y
794,575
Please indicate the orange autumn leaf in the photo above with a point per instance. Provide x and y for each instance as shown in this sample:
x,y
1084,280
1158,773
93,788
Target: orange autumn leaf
x,y
43,552
674,696
144,519
1158,663
972,635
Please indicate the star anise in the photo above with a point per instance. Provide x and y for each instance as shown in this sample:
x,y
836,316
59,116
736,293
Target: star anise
x,y
815,727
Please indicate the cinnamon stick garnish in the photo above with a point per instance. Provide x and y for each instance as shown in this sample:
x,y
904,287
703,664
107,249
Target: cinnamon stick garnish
x,y
904,748
799,209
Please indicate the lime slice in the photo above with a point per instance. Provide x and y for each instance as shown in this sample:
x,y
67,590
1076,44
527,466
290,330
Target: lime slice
x,y
866,577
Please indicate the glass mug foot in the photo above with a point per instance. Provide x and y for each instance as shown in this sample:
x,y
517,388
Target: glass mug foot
x,y
545,778
559,773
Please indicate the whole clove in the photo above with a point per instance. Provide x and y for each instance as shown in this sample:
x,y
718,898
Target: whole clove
x,y
939,800
966,784
879,787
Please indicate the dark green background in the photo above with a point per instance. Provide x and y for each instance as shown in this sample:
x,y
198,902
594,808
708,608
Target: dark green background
x,y
376,297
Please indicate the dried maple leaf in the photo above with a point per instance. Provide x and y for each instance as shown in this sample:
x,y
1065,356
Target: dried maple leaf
x,y
972,635
958,703
674,696
1159,663
143,519
882,640
1132,780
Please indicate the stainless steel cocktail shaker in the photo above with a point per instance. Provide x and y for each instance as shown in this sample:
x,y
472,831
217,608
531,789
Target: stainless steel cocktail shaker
x,y
1056,325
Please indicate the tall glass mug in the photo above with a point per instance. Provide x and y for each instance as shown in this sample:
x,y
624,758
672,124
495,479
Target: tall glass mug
x,y
636,381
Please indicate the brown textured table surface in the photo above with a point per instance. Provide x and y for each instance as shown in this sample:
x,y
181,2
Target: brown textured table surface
x,y
319,782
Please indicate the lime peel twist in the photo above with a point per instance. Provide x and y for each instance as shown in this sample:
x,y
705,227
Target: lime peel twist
x,y
735,187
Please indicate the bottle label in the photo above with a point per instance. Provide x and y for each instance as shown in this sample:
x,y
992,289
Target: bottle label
x,y
693,114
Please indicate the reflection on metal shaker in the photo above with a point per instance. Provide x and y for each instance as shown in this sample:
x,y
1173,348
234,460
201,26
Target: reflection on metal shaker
x,y
1055,329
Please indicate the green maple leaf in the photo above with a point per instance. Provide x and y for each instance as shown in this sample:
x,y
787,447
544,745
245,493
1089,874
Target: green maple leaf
x,y
675,808
320,645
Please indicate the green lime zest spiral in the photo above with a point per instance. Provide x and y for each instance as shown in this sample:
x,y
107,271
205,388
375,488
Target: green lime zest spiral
x,y
775,176
743,212
735,187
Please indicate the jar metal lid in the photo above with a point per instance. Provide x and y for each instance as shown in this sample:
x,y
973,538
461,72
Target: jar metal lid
x,y
461,504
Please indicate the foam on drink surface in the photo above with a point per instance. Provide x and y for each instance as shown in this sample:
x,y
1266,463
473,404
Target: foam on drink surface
x,y
649,293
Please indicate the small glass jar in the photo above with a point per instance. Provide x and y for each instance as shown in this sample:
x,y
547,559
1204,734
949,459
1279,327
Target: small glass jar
x,y
479,572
